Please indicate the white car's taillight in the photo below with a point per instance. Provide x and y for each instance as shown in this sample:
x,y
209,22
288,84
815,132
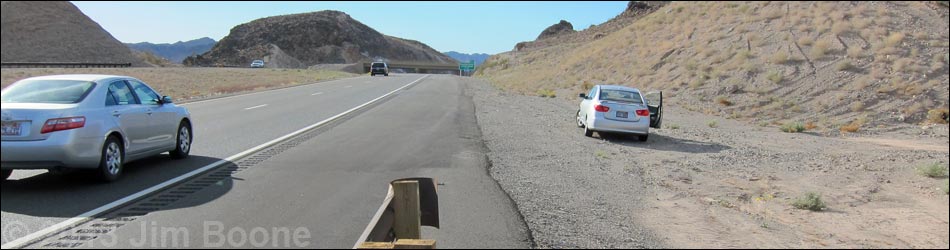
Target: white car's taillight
x,y
62,124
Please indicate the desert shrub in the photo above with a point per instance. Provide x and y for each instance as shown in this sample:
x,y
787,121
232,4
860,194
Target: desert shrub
x,y
946,187
775,76
673,126
894,40
938,116
796,127
712,124
820,49
723,101
811,201
806,41
841,28
780,57
844,66
853,127
936,170
856,52
546,93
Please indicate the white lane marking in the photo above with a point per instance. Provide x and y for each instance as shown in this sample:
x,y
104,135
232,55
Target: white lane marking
x,y
316,94
256,107
19,243
262,92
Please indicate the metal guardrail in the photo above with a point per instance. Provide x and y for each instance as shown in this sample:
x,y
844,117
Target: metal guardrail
x,y
409,205
63,65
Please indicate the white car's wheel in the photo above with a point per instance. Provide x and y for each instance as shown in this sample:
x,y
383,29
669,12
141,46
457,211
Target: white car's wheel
x,y
580,124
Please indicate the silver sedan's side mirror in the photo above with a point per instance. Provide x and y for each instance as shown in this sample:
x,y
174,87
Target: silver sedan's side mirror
x,y
583,96
167,100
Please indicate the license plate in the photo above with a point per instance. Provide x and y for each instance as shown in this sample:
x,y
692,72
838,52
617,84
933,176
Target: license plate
x,y
11,129
622,114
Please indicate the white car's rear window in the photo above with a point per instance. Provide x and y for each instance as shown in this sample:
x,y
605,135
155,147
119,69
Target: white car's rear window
x,y
620,96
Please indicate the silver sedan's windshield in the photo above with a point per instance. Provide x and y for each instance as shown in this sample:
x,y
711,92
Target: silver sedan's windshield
x,y
47,92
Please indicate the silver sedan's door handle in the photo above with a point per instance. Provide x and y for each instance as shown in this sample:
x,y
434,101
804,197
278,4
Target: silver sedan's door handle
x,y
149,112
116,113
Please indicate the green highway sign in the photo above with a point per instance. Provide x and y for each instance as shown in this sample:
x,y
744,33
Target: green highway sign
x,y
469,66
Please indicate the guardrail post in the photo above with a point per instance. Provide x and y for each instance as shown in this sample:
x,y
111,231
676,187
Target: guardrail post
x,y
407,210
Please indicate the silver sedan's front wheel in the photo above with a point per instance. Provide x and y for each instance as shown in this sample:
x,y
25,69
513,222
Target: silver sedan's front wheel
x,y
110,167
183,145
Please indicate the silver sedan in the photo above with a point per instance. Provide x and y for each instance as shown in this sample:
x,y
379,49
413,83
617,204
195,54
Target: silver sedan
x,y
94,122
619,109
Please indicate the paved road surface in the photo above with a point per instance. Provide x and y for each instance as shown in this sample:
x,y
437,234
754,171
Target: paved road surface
x,y
326,183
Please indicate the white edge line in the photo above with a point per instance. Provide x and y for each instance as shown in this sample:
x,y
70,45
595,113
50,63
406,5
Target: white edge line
x,y
256,107
316,94
375,220
18,243
266,91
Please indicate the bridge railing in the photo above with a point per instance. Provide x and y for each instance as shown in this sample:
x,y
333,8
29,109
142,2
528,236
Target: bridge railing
x,y
63,65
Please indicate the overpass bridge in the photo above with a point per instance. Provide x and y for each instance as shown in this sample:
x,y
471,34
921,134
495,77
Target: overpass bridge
x,y
418,67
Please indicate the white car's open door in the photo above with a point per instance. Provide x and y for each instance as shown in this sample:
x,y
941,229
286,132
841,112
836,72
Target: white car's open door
x,y
655,104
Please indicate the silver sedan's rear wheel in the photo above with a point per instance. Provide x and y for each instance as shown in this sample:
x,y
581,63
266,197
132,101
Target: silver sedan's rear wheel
x,y
6,174
110,167
183,145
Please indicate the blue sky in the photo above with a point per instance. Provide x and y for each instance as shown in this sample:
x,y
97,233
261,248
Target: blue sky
x,y
468,27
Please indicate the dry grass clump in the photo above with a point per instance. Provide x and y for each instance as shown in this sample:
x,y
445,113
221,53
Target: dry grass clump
x,y
821,49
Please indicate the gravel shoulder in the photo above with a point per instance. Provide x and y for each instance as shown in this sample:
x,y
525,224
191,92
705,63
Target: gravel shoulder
x,y
701,186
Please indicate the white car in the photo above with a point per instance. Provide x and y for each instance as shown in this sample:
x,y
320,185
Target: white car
x,y
257,64
619,109
94,122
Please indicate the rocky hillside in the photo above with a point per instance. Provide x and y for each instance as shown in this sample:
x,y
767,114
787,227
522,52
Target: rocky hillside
x,y
853,66
57,32
563,27
302,40
176,52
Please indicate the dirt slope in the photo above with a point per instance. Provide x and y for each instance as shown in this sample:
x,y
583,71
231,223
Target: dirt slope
x,y
833,64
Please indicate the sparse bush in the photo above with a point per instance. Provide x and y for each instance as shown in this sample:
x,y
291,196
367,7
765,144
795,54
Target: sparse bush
x,y
810,126
936,170
775,76
855,52
673,126
806,41
780,57
712,124
938,116
601,154
796,127
820,49
894,40
841,28
857,106
546,93
853,127
723,101
811,201
844,66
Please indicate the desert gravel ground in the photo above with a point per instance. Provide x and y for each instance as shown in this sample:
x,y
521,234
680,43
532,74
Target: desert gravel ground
x,y
700,186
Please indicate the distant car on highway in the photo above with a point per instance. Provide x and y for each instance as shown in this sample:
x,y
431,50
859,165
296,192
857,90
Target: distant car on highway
x,y
379,68
94,122
257,64
618,109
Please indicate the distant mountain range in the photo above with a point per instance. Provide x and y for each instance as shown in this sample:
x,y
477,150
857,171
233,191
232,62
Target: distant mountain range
x,y
176,52
462,57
